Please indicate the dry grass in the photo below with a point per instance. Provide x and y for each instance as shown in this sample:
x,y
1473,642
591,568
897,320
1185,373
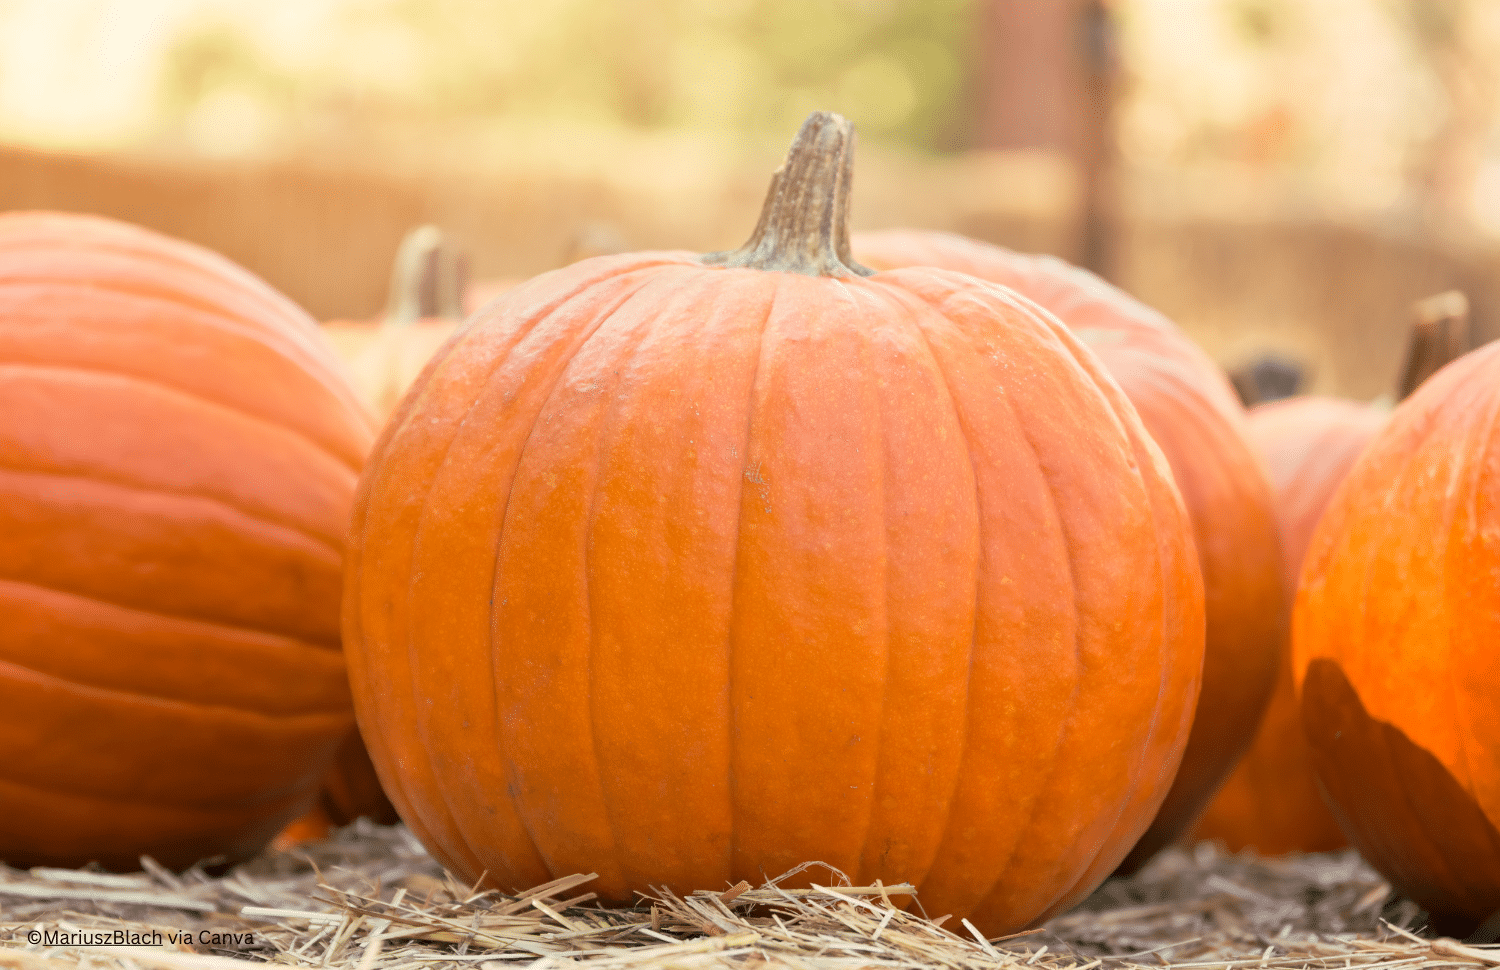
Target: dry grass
x,y
371,897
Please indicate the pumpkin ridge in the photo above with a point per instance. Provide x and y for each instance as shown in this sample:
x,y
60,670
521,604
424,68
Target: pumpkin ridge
x,y
476,322
607,424
146,507
438,834
12,670
1471,486
1079,349
171,616
211,626
348,460
939,307
578,342
872,783
183,392
65,609
117,259
308,354
920,299
289,482
114,802
102,478
205,265
736,572
1066,728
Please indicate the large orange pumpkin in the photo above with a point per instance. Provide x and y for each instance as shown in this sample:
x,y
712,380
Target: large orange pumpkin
x,y
178,452
1191,411
1272,802
685,570
1394,639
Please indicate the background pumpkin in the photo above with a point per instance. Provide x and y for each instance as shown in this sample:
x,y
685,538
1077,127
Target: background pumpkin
x,y
1394,634
426,305
1191,411
685,570
178,450
1272,802
588,240
429,291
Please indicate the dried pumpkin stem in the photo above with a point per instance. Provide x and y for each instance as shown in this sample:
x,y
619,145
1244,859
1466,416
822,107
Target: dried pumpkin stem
x,y
804,224
427,281
1439,334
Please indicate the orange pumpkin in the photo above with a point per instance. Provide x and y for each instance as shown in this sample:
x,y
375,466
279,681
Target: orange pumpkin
x,y
685,570
427,298
351,790
309,827
178,452
1272,801
1191,411
1394,636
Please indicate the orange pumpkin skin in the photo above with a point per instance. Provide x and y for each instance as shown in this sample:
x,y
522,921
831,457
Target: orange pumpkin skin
x,y
1395,629
1190,410
352,788
178,452
308,827
684,574
1272,802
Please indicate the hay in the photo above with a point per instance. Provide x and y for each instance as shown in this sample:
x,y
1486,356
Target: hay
x,y
370,897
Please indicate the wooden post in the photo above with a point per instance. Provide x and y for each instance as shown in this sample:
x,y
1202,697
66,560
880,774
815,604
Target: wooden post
x,y
1048,77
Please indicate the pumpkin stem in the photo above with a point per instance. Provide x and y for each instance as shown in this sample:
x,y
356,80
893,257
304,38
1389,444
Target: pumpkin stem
x,y
427,281
1439,334
804,223
1270,377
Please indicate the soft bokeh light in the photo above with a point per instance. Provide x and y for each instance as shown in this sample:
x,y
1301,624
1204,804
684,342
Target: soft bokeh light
x,y
1225,159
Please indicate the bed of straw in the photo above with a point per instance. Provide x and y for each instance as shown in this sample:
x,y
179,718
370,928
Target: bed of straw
x,y
371,897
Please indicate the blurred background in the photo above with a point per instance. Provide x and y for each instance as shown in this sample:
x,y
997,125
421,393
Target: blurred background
x,y
1276,175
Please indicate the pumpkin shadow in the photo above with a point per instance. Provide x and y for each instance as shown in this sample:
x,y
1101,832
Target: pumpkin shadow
x,y
1404,811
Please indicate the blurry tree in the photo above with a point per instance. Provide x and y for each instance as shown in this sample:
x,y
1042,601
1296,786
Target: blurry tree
x,y
898,68
1047,79
1380,105
1459,42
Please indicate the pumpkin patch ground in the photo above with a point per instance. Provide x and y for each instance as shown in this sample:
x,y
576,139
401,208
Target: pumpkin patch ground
x,y
371,896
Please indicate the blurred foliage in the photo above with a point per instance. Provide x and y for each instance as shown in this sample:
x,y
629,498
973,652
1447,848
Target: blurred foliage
x,y
1389,105
899,68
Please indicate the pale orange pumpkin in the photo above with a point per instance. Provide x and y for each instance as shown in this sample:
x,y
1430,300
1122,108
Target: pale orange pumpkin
x,y
689,569
425,307
587,241
1191,411
1273,802
1394,638
178,452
